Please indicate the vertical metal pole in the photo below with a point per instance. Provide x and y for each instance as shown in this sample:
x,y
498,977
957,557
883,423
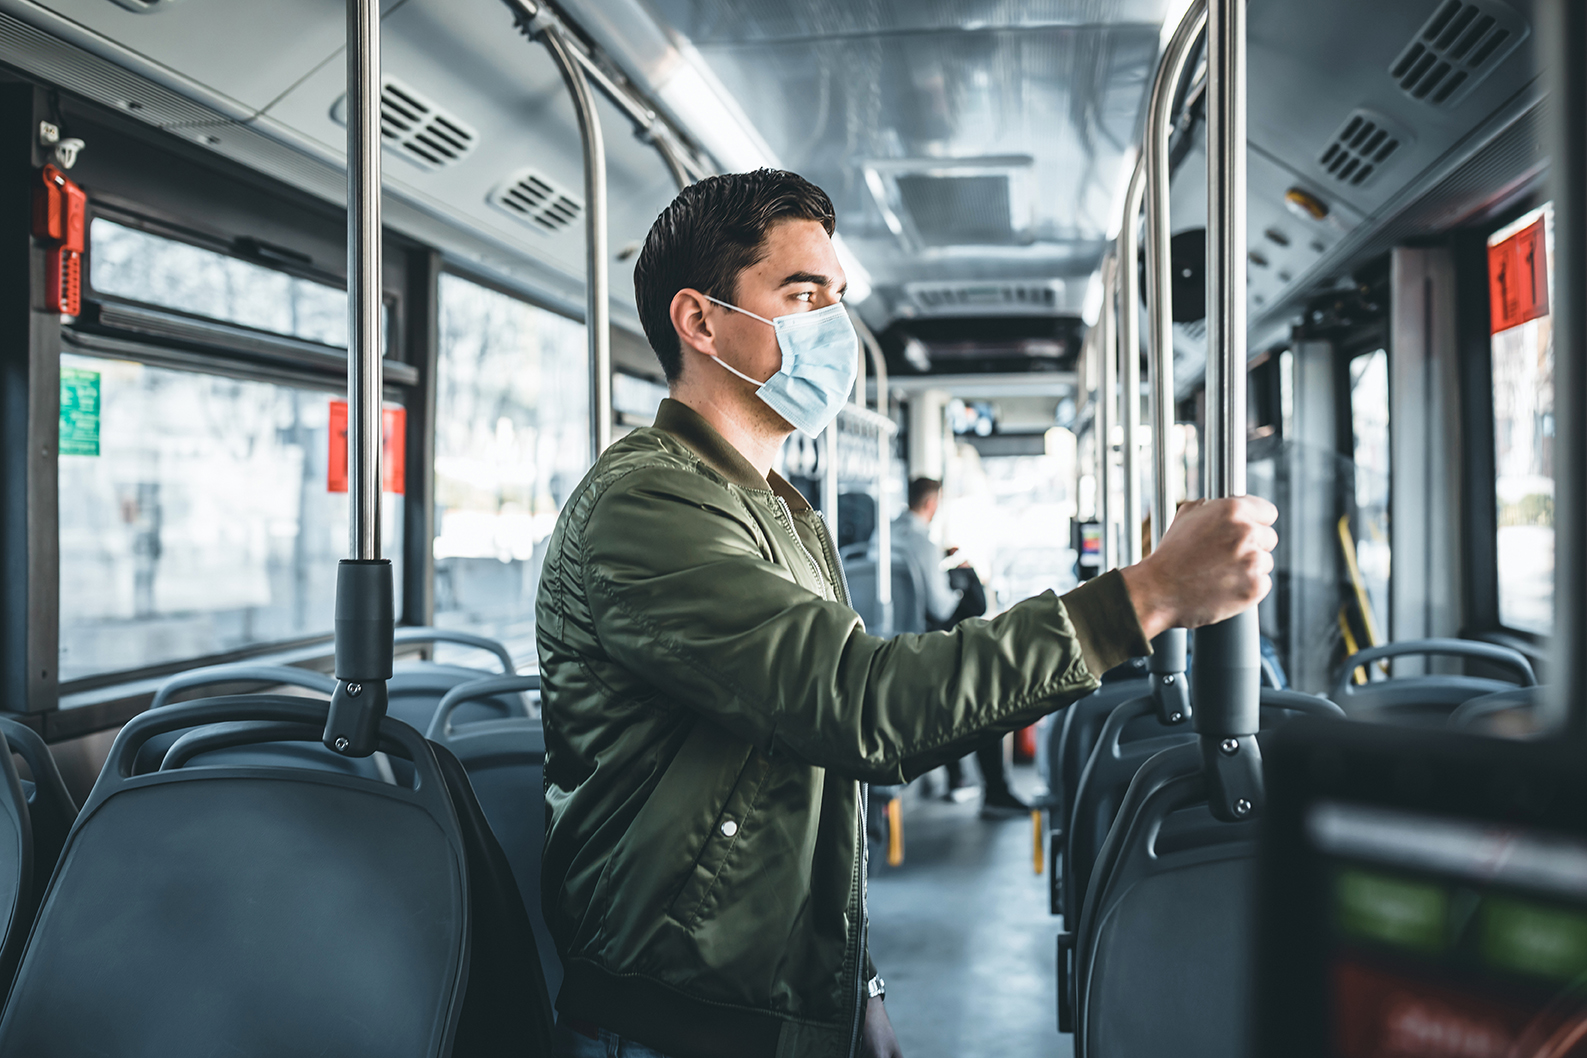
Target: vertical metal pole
x,y
1130,356
1159,267
829,475
365,611
1170,689
597,320
1227,679
1564,36
363,277
1107,406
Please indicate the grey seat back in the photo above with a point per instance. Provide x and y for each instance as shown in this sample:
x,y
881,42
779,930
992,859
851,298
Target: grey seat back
x,y
233,676
1425,699
908,606
1173,924
1072,739
18,890
1169,908
250,910
50,807
505,761
1106,776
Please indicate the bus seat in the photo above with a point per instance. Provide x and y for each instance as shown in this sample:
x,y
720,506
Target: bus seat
x,y
300,754
909,612
51,810
1167,913
406,634
18,893
1072,738
1512,712
416,689
1425,699
505,762
274,910
1131,734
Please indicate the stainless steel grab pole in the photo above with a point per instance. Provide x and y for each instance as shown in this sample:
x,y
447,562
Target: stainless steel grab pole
x,y
1159,266
365,608
1107,404
363,278
1130,362
597,320
1227,678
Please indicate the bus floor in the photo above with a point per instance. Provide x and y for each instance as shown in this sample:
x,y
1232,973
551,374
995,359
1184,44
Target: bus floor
x,y
960,931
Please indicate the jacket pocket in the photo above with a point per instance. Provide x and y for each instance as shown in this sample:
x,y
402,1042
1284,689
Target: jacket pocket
x,y
725,835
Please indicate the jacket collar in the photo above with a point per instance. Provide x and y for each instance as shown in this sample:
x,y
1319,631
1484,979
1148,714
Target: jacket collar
x,y
690,427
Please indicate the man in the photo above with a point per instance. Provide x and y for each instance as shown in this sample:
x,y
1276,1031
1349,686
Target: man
x,y
712,704
912,538
912,531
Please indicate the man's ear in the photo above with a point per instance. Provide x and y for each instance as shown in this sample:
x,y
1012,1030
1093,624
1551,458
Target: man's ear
x,y
688,319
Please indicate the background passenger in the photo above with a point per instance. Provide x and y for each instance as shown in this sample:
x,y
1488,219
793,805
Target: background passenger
x,y
946,605
711,702
912,538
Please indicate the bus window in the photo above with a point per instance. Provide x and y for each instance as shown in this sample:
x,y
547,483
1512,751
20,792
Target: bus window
x,y
1521,273
1369,418
511,441
133,264
196,516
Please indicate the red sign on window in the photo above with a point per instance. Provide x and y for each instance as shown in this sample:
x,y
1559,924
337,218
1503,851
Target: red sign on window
x,y
1518,278
393,449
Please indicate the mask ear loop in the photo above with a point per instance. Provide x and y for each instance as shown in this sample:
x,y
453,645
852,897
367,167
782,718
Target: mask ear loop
x,y
723,363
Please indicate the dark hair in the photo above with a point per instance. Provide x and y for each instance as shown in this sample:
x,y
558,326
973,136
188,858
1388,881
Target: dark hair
x,y
921,490
709,234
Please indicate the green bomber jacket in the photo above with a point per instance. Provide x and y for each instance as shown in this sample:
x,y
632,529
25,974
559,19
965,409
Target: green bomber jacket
x,y
712,708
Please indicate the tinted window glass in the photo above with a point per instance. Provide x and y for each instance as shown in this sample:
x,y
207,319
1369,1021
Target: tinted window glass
x,y
195,516
511,442
139,266
1369,418
1521,287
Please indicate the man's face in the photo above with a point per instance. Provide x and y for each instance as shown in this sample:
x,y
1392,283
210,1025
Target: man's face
x,y
928,506
800,273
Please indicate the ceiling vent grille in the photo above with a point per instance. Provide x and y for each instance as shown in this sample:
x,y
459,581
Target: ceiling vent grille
x,y
1364,144
1019,298
413,126
1457,47
531,198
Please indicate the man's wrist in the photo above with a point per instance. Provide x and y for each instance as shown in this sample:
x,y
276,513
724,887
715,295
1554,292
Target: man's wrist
x,y
1151,609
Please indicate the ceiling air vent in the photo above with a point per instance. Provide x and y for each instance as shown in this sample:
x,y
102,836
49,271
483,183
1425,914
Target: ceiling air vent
x,y
1364,144
533,199
416,128
1457,47
1039,298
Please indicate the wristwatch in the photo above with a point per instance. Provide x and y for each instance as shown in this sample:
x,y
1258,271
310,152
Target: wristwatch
x,y
877,988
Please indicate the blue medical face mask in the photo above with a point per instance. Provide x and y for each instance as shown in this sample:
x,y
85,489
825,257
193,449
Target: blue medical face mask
x,y
820,360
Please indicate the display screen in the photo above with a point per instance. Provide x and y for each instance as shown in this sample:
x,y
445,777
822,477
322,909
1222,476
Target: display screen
x,y
1450,938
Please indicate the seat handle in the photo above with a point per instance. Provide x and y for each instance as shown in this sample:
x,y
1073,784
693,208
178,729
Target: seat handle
x,y
431,634
242,672
1467,648
248,733
440,728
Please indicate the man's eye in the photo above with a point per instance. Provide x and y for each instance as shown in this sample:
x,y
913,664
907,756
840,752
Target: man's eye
x,y
805,295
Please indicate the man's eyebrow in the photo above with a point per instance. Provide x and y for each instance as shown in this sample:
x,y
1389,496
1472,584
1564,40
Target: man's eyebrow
x,y
806,277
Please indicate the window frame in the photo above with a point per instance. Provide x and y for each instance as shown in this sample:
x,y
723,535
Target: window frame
x,y
1480,518
148,179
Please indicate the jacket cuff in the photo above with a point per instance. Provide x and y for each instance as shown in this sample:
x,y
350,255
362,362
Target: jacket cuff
x,y
1105,623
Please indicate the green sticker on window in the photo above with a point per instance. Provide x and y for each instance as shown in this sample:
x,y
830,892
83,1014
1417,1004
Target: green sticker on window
x,y
79,412
1391,910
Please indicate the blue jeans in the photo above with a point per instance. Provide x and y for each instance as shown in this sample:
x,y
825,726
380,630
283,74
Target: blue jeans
x,y
570,1043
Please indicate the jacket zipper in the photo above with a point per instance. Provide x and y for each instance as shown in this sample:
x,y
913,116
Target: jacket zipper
x,y
863,845
860,982
815,567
